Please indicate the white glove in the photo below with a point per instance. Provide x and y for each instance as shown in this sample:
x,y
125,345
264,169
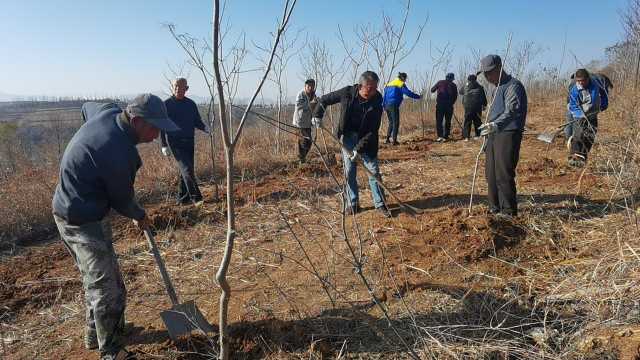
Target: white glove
x,y
354,156
165,151
488,128
317,122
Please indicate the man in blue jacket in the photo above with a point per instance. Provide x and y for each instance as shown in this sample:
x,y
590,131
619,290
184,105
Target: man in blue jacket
x,y
97,173
394,93
600,79
504,127
587,97
184,113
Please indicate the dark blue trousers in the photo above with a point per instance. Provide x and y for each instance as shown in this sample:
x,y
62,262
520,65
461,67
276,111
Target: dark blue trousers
x,y
183,150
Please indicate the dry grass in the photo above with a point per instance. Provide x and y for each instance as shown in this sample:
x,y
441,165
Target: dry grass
x,y
559,283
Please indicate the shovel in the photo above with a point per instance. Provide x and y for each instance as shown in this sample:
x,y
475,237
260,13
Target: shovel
x,y
549,136
183,318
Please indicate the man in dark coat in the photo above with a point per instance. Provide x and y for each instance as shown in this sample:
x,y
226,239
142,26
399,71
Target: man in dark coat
x,y
97,174
504,127
447,94
184,112
474,101
360,118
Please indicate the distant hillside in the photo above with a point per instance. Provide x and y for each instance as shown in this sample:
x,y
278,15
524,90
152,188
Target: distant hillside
x,y
30,106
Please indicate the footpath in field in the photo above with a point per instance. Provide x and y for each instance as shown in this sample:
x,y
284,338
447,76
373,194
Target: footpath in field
x,y
555,282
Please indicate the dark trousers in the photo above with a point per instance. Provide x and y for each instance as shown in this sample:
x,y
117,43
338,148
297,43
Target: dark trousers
x,y
471,118
304,143
502,154
393,114
443,120
183,149
584,134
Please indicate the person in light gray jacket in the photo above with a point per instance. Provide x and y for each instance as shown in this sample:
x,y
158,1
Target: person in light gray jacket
x,y
305,102
505,124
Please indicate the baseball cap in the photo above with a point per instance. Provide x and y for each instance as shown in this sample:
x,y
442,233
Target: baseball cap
x,y
152,109
489,63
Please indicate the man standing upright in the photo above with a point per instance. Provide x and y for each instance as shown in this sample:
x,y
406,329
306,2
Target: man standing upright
x,y
447,94
184,112
587,97
361,115
97,173
305,101
506,120
394,93
474,101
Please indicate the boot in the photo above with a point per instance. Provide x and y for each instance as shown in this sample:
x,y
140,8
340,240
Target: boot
x,y
90,339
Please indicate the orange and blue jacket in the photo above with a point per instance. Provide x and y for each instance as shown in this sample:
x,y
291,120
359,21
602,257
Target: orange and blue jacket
x,y
394,93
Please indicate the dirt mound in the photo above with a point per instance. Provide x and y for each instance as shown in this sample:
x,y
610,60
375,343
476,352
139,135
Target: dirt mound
x,y
245,337
459,238
287,184
171,216
419,147
246,340
42,278
543,166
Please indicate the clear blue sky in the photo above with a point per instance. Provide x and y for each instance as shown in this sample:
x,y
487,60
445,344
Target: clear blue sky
x,y
97,48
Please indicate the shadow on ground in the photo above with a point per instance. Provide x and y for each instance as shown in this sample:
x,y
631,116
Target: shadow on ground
x,y
480,317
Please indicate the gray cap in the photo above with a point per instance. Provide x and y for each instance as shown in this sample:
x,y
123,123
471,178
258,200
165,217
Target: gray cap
x,y
489,63
152,109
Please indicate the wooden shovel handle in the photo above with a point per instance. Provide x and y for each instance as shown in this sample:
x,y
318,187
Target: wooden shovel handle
x,y
163,270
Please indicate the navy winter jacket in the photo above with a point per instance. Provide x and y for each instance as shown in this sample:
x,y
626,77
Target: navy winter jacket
x,y
184,113
98,168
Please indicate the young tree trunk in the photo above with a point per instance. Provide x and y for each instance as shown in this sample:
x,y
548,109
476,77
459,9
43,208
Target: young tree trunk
x,y
221,275
279,117
212,123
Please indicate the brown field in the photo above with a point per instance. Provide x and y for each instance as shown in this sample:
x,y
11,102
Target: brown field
x,y
559,282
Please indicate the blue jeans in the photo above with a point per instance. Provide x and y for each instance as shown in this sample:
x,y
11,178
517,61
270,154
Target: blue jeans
x,y
350,173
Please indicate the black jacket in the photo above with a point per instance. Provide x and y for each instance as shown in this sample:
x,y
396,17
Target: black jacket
x,y
473,97
368,131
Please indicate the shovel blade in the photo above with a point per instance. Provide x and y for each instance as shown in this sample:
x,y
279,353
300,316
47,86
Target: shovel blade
x,y
184,318
413,211
546,137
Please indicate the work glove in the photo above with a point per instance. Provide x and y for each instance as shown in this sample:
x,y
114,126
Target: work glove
x,y
317,122
144,223
488,128
165,151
